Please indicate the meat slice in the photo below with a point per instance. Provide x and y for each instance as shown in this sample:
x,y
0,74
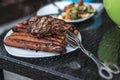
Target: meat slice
x,y
57,40
43,33
44,26
35,46
28,41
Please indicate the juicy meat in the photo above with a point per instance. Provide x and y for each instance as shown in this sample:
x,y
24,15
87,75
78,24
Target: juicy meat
x,y
26,40
40,33
47,26
44,26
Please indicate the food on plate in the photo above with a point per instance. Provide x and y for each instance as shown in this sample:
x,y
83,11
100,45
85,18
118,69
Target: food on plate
x,y
43,33
76,11
44,26
26,40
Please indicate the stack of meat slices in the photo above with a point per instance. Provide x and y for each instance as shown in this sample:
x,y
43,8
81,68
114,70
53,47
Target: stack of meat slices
x,y
40,33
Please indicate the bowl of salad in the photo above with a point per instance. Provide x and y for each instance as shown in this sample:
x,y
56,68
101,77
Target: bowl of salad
x,y
76,12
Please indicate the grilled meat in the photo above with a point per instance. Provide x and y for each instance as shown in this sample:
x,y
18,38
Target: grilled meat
x,y
44,26
26,40
40,33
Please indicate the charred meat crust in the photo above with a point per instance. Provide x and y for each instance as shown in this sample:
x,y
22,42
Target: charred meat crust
x,y
31,38
55,44
35,46
43,33
29,41
45,25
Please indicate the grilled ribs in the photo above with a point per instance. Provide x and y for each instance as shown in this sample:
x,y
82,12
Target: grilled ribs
x,y
29,41
40,33
44,26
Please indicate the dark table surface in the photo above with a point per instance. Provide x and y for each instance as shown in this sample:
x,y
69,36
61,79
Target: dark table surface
x,y
99,35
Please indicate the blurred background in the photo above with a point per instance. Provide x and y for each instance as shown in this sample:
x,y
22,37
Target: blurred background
x,y
14,9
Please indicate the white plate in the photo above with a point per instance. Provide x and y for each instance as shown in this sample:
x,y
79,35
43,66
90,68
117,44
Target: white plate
x,y
50,9
19,52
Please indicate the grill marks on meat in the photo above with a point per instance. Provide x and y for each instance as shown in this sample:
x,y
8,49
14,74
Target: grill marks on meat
x,y
35,46
29,41
40,33
38,26
44,26
47,25
20,28
54,38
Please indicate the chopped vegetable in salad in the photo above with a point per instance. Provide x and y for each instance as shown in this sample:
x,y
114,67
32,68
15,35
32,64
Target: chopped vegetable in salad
x,y
75,11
